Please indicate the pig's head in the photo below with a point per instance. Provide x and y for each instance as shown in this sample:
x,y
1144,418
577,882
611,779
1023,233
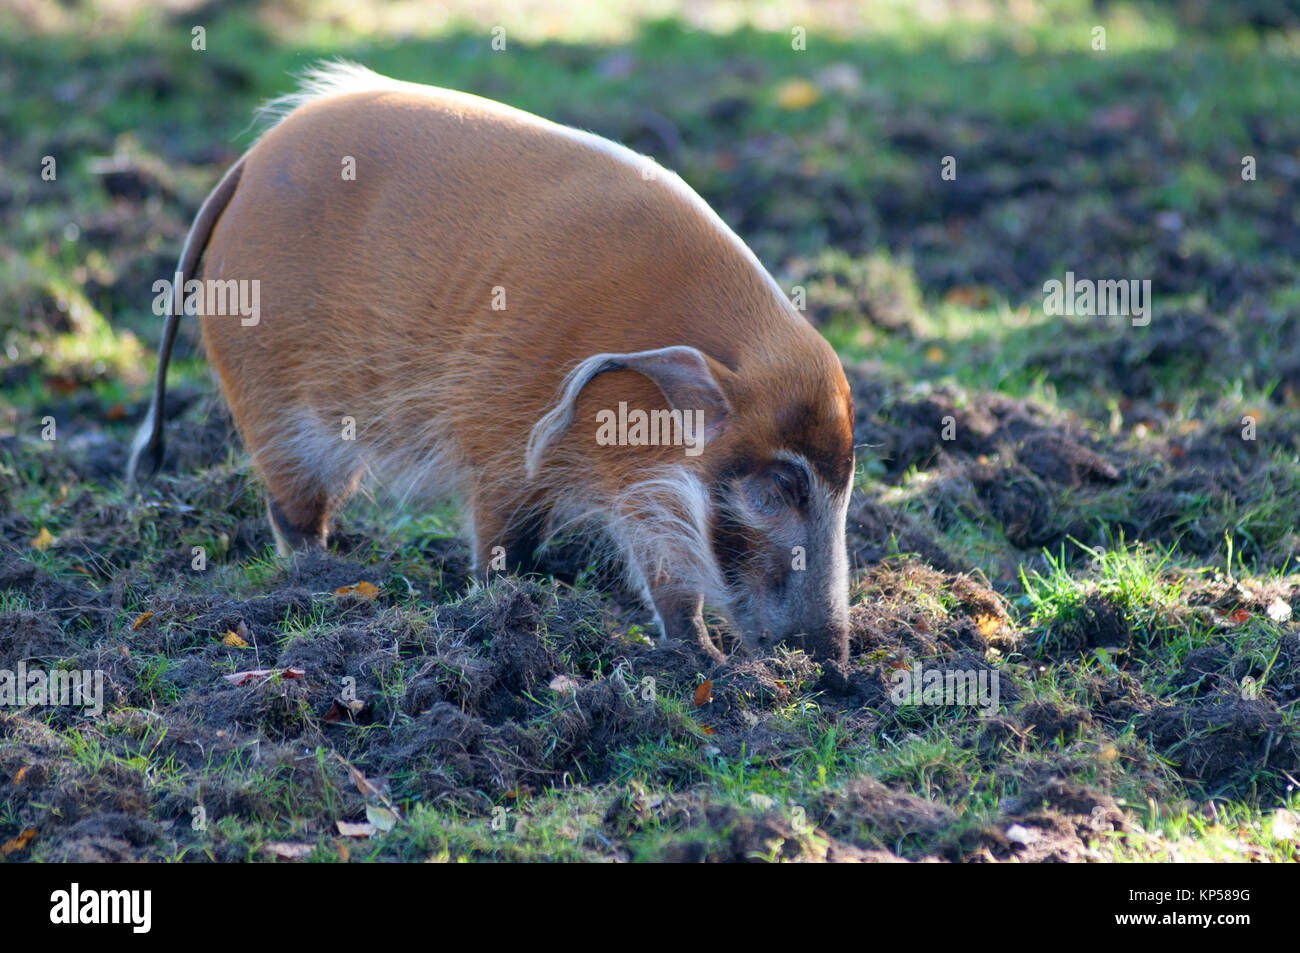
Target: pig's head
x,y
780,496
772,485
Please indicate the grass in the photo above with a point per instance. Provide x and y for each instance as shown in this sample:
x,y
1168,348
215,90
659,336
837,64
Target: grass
x,y
1117,163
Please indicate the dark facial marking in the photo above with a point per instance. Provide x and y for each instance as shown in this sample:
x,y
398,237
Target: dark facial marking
x,y
824,439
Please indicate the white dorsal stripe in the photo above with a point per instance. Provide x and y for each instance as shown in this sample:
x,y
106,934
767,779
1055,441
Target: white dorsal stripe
x,y
341,78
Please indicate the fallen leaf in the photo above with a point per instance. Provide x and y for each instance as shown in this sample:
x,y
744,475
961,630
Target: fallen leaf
x,y
287,851
14,844
367,787
345,855
21,771
1241,615
362,590
704,693
232,639
356,828
934,355
796,94
563,683
384,819
343,706
43,541
1278,611
988,624
141,621
1108,754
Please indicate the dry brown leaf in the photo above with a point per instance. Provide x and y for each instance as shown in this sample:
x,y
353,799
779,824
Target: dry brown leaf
x,y
797,94
15,844
135,626
43,541
356,828
21,771
234,641
289,851
367,787
988,624
362,590
563,683
343,706
703,693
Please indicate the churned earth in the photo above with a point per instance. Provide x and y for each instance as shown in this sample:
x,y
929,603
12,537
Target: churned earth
x,y
1096,516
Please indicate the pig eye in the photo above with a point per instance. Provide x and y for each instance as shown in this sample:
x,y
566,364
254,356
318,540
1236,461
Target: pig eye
x,y
790,484
773,491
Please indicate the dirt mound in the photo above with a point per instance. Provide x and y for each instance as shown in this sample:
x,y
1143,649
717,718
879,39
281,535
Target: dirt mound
x,y
1227,743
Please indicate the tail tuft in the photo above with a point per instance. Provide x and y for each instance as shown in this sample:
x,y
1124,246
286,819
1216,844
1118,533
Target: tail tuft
x,y
146,451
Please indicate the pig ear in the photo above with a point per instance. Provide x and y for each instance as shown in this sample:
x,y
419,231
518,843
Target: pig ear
x,y
682,373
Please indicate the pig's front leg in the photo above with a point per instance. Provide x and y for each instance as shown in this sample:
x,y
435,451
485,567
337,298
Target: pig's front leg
x,y
681,617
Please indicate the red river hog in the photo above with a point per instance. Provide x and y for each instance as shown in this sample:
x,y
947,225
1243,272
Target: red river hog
x,y
457,298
